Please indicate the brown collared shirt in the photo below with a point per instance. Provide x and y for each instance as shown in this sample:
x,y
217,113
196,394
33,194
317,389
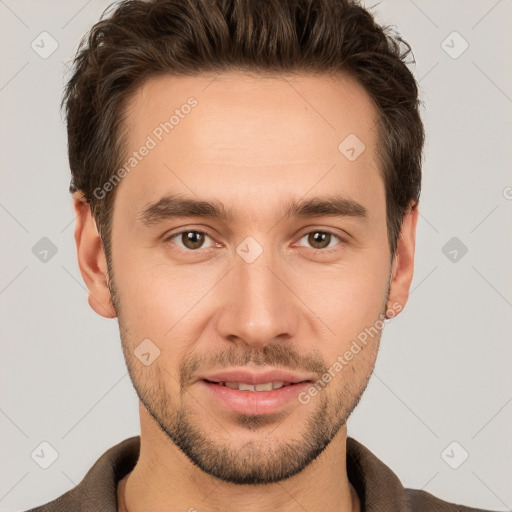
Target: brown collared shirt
x,y
379,489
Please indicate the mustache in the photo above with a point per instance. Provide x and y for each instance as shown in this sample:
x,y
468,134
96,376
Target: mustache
x,y
275,355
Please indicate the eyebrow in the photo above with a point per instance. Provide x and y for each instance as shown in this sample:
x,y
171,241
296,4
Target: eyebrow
x,y
175,206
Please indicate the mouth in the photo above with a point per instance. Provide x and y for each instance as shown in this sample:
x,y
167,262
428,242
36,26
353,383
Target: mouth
x,y
264,386
254,399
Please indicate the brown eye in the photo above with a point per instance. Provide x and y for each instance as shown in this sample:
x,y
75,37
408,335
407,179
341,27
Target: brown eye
x,y
190,240
320,239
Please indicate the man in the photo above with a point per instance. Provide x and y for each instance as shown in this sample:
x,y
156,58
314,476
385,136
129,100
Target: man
x,y
246,178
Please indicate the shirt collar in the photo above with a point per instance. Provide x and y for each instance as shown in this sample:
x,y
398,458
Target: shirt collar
x,y
377,486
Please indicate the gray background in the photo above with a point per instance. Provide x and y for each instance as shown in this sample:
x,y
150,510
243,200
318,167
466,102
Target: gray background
x,y
444,369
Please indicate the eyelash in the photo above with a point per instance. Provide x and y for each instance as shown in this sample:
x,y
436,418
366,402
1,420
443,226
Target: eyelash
x,y
325,251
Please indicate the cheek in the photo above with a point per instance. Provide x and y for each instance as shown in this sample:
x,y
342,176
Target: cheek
x,y
347,298
159,300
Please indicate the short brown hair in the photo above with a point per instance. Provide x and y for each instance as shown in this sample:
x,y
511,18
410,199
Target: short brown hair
x,y
139,39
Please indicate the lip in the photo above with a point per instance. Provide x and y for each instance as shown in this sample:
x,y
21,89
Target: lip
x,y
254,402
251,377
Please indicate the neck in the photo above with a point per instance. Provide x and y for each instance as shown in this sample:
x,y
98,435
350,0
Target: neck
x,y
165,479
353,506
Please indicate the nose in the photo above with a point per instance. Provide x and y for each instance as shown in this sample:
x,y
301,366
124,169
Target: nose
x,y
257,303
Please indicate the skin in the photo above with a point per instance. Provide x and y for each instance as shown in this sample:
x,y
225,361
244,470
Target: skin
x,y
253,143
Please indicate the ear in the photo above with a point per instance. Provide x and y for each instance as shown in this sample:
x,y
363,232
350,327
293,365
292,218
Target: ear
x,y
91,258
403,262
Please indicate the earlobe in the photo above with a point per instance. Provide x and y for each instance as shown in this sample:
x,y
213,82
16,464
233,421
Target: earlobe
x,y
403,263
91,258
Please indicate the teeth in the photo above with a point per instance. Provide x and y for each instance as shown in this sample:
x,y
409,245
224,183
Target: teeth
x,y
242,386
264,387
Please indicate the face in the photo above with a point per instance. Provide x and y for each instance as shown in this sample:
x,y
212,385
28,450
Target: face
x,y
284,270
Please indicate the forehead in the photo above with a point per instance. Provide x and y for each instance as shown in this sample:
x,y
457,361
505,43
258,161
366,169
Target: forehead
x,y
283,110
282,134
